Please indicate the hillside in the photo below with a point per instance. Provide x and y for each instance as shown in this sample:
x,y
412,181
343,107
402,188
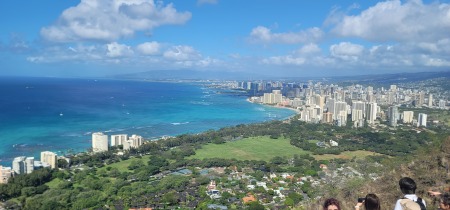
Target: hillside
x,y
429,172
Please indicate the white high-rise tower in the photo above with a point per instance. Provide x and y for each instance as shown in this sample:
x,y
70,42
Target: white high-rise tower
x,y
99,142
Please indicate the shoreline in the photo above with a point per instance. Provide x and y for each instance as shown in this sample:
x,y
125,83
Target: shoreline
x,y
33,152
279,107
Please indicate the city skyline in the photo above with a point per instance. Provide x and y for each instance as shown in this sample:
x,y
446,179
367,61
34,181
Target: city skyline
x,y
103,38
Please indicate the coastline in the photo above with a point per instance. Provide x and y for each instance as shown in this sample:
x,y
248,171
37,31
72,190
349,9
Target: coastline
x,y
277,106
77,135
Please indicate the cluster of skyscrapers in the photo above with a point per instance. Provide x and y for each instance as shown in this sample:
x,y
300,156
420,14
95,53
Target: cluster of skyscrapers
x,y
100,141
333,104
26,165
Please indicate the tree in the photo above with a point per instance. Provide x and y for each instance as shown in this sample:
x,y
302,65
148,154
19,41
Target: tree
x,y
62,163
289,202
255,205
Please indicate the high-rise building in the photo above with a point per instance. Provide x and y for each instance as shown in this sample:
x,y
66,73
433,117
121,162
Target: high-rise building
x,y
339,108
442,104
49,158
342,118
23,165
18,165
371,113
99,142
393,88
5,174
408,116
330,105
421,99
393,115
29,164
134,141
359,105
357,115
267,98
430,100
277,97
327,117
422,120
118,139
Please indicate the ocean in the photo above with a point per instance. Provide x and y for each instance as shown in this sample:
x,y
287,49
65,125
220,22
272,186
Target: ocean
x,y
60,114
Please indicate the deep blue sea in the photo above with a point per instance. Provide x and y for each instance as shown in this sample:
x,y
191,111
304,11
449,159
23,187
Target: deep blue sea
x,y
55,114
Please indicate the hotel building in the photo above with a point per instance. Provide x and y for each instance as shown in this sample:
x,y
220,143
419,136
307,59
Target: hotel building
x,y
5,174
49,158
99,142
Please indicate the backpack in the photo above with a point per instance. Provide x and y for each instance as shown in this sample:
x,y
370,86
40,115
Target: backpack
x,y
408,204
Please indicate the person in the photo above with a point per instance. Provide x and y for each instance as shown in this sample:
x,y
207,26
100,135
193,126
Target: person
x,y
370,202
445,201
331,204
408,188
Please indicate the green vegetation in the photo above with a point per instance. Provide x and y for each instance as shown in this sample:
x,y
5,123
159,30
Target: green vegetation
x,y
359,154
252,148
171,173
122,166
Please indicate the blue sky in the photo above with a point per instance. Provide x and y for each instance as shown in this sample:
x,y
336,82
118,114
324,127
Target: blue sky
x,y
264,37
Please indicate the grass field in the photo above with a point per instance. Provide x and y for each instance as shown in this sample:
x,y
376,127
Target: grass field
x,y
254,148
122,166
54,183
346,155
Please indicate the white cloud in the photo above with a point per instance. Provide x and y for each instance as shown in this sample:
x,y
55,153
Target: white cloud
x,y
309,49
285,60
346,50
118,50
182,53
262,34
149,48
174,57
394,21
110,20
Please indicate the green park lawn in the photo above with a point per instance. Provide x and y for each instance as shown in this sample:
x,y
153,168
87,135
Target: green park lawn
x,y
122,166
253,148
54,183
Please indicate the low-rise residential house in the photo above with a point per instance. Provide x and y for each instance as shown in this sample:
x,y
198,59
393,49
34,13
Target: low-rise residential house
x,y
248,198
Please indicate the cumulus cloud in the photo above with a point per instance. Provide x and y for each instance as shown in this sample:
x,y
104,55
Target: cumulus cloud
x,y
397,21
149,48
262,34
346,50
347,55
110,20
139,56
309,49
182,53
118,50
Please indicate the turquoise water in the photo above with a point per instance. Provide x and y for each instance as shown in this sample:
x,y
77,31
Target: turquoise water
x,y
59,115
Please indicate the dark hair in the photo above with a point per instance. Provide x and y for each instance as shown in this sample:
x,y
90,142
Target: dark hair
x,y
331,201
372,202
445,199
407,185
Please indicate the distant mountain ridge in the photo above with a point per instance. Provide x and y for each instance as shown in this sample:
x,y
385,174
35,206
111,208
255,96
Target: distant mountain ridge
x,y
393,78
191,75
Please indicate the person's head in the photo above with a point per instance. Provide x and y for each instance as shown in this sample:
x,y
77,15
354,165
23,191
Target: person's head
x,y
407,185
445,201
372,202
331,204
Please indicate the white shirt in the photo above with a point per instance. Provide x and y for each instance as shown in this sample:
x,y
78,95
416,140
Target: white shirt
x,y
413,197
